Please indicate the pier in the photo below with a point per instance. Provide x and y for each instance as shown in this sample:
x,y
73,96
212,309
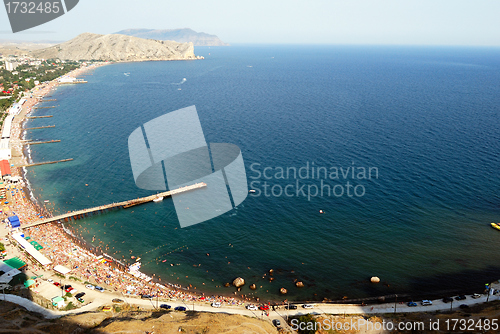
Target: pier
x,y
32,117
45,163
125,204
41,127
42,142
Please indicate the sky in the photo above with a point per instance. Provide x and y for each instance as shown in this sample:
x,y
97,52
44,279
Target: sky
x,y
384,22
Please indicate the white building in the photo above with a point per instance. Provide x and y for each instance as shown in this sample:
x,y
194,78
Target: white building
x,y
10,65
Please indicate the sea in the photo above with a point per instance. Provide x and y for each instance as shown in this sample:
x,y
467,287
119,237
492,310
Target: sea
x,y
398,146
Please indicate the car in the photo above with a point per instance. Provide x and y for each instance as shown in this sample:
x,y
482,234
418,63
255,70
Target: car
x,y
308,306
73,291
426,302
56,284
146,297
464,306
411,304
447,299
165,306
461,297
180,308
476,295
81,300
264,307
116,300
50,280
291,307
107,309
98,288
80,295
90,286
276,323
66,287
252,307
216,304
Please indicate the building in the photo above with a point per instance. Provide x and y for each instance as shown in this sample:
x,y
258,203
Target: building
x,y
11,66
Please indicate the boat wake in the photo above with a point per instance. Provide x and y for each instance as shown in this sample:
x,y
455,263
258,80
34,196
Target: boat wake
x,y
180,83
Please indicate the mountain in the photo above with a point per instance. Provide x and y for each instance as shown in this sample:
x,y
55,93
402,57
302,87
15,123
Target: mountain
x,y
185,35
114,47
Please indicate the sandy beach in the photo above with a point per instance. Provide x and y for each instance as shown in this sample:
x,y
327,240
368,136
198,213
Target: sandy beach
x,y
67,250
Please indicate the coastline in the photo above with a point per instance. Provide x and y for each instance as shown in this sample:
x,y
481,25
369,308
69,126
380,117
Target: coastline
x,y
29,209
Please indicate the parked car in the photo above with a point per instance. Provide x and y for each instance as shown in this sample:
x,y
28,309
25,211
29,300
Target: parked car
x,y
50,280
90,286
276,323
57,284
180,308
118,301
461,297
411,304
98,288
80,295
447,299
252,307
476,295
264,307
146,297
291,307
216,304
66,287
165,306
426,302
308,306
464,306
73,291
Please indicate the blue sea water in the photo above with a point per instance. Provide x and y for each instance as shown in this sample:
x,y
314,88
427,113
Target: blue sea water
x,y
425,119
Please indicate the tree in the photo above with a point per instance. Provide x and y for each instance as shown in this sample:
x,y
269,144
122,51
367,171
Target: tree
x,y
2,247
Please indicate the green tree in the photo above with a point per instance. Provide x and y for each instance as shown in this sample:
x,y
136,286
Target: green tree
x,y
308,322
2,247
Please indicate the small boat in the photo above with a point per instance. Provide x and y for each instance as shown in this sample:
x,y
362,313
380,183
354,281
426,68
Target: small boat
x,y
251,191
495,225
158,199
46,201
321,211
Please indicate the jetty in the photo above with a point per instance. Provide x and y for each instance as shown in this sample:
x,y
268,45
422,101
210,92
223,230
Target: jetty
x,y
125,204
32,117
45,163
41,127
42,142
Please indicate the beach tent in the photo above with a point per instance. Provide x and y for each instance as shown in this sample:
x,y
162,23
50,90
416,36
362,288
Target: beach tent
x,y
14,221
61,269
5,168
15,263
58,301
29,283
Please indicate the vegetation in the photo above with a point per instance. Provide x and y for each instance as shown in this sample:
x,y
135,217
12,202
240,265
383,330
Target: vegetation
x,y
75,278
309,324
60,275
2,247
70,306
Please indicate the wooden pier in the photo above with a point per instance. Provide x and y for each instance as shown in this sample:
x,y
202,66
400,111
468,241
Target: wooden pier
x,y
32,117
45,163
41,127
42,142
100,209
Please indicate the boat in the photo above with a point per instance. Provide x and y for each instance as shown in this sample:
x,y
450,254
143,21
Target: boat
x,y
251,190
158,199
46,201
495,225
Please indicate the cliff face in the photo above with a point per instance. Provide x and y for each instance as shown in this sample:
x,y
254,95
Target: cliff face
x,y
179,35
115,47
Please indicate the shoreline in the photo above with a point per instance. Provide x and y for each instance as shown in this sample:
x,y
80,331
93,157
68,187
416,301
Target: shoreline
x,y
31,204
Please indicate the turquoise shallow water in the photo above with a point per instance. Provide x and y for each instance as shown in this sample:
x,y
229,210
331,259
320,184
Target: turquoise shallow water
x,y
426,118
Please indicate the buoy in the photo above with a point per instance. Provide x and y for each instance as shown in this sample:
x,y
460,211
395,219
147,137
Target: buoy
x,y
375,279
321,211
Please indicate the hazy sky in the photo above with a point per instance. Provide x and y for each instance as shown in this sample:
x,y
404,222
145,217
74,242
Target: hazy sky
x,y
430,22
